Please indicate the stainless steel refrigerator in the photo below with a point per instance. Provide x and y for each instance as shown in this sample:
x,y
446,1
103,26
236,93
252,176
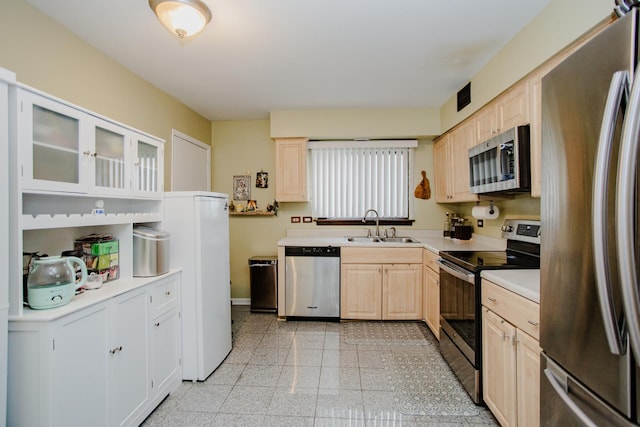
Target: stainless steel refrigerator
x,y
589,290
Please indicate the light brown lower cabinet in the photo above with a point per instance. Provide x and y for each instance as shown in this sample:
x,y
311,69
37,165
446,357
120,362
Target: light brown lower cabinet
x,y
381,284
431,304
511,358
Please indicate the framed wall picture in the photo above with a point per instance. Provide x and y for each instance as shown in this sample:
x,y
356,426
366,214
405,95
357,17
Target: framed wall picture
x,y
241,187
262,180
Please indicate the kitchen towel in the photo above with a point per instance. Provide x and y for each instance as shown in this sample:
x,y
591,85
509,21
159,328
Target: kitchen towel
x,y
485,212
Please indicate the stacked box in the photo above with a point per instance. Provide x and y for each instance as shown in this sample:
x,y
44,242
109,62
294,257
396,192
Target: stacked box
x,y
100,252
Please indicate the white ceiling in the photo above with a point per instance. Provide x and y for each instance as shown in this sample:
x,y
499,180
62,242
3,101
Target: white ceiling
x,y
258,56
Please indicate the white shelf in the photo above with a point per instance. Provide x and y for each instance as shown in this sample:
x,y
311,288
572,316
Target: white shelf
x,y
39,222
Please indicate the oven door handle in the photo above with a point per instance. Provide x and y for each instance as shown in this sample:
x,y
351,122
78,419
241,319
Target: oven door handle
x,y
456,271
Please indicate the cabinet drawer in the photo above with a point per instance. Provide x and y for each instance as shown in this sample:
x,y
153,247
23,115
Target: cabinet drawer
x,y
519,311
165,296
430,260
381,255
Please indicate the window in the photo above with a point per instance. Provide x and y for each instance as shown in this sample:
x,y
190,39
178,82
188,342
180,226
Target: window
x,y
350,177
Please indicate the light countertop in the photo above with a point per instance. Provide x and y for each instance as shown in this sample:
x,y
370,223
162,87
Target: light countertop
x,y
525,283
428,239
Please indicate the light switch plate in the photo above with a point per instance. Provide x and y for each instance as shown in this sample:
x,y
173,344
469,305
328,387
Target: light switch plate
x,y
307,219
295,219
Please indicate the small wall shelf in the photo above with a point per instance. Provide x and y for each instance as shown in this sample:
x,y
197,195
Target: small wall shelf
x,y
252,213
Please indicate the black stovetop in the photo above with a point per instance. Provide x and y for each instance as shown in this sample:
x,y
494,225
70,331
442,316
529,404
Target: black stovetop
x,y
491,260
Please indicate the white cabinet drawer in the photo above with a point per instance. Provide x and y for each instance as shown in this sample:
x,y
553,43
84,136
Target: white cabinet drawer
x,y
165,296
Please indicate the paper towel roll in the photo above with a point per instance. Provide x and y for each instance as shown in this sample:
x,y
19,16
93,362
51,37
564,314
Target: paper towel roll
x,y
484,212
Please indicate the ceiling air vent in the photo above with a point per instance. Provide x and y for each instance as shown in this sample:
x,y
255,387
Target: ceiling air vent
x,y
464,96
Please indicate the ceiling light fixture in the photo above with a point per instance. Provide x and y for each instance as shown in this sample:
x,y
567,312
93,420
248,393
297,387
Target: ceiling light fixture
x,y
184,18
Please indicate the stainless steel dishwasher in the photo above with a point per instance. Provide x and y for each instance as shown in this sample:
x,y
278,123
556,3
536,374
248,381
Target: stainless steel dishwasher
x,y
312,281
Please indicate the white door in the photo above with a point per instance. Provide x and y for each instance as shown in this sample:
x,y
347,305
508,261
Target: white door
x,y
191,164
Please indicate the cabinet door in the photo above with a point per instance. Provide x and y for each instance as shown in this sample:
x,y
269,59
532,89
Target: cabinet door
x,y
165,351
462,138
402,292
486,123
535,133
110,171
128,351
52,138
148,166
442,159
513,107
528,377
291,169
433,301
499,367
79,363
361,291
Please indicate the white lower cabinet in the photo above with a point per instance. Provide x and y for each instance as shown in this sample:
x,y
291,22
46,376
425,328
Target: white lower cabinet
x,y
165,347
128,352
79,372
109,364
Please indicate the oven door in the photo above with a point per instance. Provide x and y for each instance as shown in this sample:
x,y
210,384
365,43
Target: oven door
x,y
458,308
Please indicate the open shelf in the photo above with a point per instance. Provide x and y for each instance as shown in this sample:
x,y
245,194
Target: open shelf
x,y
252,213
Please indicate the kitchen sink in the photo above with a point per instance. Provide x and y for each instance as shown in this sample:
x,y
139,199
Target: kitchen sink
x,y
364,239
398,240
381,240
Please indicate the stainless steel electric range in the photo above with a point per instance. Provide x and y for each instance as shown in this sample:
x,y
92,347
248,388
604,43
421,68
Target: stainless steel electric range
x,y
460,297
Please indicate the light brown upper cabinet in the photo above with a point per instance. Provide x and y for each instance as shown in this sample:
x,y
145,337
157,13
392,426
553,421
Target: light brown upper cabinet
x,y
509,110
291,169
451,154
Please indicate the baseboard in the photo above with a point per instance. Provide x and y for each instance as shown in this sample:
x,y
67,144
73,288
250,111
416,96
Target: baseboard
x,y
241,301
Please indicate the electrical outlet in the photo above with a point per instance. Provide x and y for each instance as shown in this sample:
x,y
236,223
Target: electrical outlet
x,y
307,219
295,219
480,223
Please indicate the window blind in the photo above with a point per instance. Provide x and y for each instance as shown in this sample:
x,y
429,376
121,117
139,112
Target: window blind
x,y
347,181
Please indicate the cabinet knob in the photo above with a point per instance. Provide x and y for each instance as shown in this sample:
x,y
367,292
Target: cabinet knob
x,y
87,153
156,324
531,322
491,299
167,293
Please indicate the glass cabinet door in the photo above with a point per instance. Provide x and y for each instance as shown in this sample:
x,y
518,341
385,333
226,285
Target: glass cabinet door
x,y
110,173
50,136
148,167
56,140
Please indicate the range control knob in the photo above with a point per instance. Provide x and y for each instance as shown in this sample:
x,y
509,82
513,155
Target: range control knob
x,y
507,228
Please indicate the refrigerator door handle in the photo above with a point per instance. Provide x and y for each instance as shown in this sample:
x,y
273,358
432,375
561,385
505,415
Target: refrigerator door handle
x,y
625,216
618,94
564,396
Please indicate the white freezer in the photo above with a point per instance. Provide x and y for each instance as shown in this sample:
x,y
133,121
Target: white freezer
x,y
199,226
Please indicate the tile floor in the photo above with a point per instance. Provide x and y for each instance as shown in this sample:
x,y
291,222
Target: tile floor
x,y
304,373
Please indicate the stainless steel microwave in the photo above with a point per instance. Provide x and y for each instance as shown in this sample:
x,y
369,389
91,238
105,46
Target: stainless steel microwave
x,y
501,164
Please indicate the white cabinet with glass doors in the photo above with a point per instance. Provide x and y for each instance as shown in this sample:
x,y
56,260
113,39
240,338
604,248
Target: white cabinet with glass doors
x,y
63,148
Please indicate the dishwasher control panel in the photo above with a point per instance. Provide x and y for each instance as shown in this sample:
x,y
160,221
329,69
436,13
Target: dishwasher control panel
x,y
332,251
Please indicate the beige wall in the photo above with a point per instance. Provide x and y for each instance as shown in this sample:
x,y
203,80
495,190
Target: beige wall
x,y
244,148
560,23
46,56
373,123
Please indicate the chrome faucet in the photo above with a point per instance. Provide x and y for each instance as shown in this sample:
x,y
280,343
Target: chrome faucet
x,y
364,219
393,232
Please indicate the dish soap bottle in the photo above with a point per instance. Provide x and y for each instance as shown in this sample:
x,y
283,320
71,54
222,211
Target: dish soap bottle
x,y
446,230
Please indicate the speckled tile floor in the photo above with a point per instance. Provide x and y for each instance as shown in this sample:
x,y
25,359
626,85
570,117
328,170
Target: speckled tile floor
x,y
304,373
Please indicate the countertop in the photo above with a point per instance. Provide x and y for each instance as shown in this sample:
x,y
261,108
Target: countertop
x,y
428,239
525,283
88,298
